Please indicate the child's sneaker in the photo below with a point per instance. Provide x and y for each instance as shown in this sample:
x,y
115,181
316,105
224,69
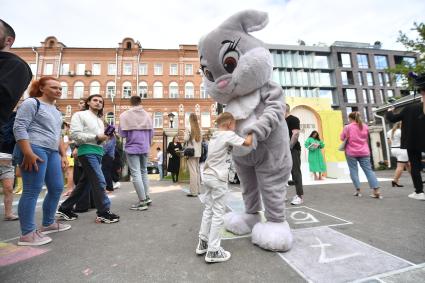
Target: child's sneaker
x,y
55,227
217,256
202,247
35,238
148,200
139,206
107,217
67,215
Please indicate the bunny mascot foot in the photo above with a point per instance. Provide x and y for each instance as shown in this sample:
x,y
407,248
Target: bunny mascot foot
x,y
240,223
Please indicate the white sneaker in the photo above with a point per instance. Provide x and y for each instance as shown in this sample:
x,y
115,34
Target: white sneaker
x,y
420,196
297,200
116,185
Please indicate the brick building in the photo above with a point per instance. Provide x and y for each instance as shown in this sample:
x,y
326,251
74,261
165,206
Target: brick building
x,y
168,80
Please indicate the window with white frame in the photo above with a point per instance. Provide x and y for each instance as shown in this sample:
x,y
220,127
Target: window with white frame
x,y
157,90
203,91
173,90
390,93
127,69
112,69
143,69
365,97
94,87
65,69
64,86
157,69
350,95
174,70
143,90
78,90
48,69
188,69
126,90
189,90
81,68
95,69
110,89
371,96
33,67
205,120
157,120
369,78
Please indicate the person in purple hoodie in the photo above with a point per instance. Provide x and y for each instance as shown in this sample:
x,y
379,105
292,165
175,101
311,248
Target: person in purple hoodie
x,y
136,127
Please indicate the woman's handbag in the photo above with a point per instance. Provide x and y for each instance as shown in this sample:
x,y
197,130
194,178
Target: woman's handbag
x,y
342,145
189,152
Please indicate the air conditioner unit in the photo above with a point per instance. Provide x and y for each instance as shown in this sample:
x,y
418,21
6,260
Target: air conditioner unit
x,y
71,73
87,73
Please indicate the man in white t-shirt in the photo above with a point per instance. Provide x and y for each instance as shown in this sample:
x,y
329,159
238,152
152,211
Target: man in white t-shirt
x,y
216,172
160,160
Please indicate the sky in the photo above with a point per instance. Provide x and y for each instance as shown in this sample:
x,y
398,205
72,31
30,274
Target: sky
x,y
164,24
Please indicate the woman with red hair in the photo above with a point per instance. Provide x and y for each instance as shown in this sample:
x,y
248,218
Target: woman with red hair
x,y
41,157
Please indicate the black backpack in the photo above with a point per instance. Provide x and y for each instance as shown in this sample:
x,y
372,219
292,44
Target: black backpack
x,y
204,152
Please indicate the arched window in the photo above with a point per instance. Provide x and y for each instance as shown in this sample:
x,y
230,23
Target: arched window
x,y
94,87
189,91
78,90
157,90
126,90
64,86
110,89
143,90
110,118
173,90
203,91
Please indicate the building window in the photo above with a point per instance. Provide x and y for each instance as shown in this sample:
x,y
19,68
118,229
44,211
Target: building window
x,y
143,90
127,69
365,97
347,78
410,61
110,118
110,89
387,79
81,68
362,61
157,69
157,90
350,95
78,90
95,69
360,78
189,91
48,69
381,79
344,60
188,69
174,70
126,90
369,78
371,96
173,90
381,62
157,120
325,79
33,67
381,94
64,86
390,93
112,69
94,88
365,114
203,91
344,78
65,69
143,69
321,62
205,120
400,80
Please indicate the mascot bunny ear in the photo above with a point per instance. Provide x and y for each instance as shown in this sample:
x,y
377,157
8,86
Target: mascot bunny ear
x,y
246,21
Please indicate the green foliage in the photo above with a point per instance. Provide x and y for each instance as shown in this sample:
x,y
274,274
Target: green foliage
x,y
415,45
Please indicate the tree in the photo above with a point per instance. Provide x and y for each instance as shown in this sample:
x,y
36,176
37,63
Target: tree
x,y
415,45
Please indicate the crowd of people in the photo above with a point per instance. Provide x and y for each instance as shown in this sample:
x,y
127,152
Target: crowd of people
x,y
84,153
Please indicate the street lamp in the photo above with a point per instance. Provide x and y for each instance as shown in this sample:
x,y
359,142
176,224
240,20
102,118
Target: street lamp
x,y
171,119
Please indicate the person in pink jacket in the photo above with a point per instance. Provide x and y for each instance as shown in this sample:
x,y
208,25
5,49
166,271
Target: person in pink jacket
x,y
357,151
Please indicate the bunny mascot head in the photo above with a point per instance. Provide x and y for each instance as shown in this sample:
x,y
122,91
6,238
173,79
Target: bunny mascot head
x,y
237,69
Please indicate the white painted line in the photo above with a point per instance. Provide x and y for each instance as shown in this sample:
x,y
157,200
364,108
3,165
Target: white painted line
x,y
389,273
292,265
9,240
327,214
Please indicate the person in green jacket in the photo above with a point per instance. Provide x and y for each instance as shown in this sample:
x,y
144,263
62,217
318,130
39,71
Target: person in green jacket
x,y
315,158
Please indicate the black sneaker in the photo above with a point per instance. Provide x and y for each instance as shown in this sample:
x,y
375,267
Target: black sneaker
x,y
217,256
202,247
148,200
139,206
107,217
67,215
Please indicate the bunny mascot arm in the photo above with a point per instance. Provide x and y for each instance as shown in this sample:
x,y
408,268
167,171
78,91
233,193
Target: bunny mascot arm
x,y
237,69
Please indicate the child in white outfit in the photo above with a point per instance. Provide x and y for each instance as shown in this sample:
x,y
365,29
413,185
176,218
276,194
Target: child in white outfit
x,y
216,172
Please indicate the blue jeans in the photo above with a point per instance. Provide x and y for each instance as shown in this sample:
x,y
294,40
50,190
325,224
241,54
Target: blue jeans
x,y
92,174
365,164
138,170
49,172
161,171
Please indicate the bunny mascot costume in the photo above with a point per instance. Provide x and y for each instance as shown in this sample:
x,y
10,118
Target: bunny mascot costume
x,y
237,71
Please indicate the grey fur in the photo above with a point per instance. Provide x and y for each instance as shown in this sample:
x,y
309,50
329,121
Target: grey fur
x,y
258,105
